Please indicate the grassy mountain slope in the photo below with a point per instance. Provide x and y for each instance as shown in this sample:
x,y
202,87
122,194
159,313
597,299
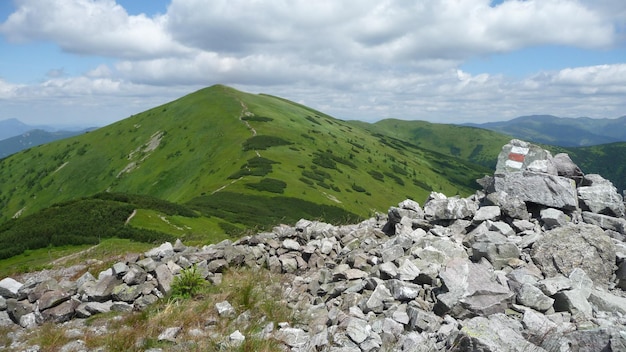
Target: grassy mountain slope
x,y
475,145
221,140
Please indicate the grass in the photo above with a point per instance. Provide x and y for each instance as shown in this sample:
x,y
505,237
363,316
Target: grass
x,y
256,292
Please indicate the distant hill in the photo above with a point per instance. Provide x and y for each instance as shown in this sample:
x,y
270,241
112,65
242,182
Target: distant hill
x,y
13,127
559,131
32,138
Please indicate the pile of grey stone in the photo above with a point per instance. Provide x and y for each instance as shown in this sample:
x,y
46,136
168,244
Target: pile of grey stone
x,y
533,262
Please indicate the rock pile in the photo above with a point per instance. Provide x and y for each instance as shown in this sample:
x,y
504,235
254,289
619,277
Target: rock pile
x,y
534,262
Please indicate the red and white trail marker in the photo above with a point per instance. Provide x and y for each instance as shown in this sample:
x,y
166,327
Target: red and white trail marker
x,y
516,157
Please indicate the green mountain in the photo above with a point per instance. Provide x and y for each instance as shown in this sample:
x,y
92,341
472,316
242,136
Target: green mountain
x,y
226,151
31,139
564,132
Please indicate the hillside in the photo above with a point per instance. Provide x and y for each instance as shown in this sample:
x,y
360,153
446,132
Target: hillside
x,y
476,145
564,132
219,145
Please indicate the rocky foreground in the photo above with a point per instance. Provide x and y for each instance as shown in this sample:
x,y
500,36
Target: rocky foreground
x,y
533,262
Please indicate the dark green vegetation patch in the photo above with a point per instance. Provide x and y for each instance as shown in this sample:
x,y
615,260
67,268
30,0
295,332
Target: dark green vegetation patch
x,y
84,221
257,166
268,185
264,142
262,213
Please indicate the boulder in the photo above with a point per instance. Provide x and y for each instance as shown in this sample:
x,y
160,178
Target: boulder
x,y
164,278
583,246
606,222
552,218
440,207
292,337
601,198
492,335
539,188
531,296
17,309
471,290
518,155
62,312
565,167
9,287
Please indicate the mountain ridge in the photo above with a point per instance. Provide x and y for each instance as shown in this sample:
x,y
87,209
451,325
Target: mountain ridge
x,y
561,131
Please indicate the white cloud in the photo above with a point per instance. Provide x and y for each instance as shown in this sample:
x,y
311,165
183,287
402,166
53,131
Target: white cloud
x,y
366,59
99,27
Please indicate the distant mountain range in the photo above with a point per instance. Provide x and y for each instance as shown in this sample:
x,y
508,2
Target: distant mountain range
x,y
32,138
16,135
560,131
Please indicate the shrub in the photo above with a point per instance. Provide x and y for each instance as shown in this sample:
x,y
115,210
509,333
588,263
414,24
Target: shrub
x,y
188,284
263,142
269,185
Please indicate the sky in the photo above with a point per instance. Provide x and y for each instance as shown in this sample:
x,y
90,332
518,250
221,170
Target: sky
x,y
93,62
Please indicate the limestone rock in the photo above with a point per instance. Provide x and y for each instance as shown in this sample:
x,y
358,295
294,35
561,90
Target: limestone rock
x,y
490,335
601,197
543,189
583,246
440,207
518,155
9,287
472,290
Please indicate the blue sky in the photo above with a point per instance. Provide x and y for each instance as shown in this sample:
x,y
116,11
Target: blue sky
x,y
92,62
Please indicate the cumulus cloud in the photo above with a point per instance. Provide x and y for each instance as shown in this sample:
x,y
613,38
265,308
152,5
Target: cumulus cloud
x,y
90,27
365,59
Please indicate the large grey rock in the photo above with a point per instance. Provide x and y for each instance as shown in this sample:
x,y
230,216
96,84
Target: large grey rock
x,y
532,297
511,206
9,287
566,167
379,297
539,188
135,276
601,198
490,335
519,155
292,337
403,291
489,212
52,298
606,222
103,289
358,330
440,207
17,309
552,218
599,339
494,247
164,278
608,302
62,312
126,293
472,290
574,301
583,246
163,251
